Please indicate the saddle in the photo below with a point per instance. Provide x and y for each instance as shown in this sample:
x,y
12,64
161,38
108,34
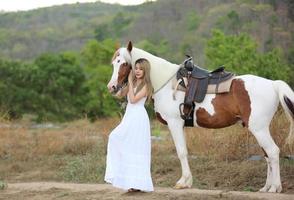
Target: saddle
x,y
199,80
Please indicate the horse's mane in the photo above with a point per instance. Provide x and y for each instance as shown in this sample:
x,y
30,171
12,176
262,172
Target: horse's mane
x,y
161,70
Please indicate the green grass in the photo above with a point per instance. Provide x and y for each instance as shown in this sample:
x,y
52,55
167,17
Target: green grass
x,y
3,185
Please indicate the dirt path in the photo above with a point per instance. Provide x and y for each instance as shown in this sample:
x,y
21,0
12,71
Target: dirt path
x,y
71,191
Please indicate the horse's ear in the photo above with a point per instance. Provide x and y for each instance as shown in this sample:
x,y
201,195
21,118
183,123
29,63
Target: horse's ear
x,y
130,46
117,46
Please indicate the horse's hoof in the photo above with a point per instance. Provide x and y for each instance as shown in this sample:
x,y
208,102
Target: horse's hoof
x,y
179,186
274,189
264,189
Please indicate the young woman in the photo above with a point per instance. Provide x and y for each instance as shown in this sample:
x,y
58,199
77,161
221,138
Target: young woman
x,y
129,145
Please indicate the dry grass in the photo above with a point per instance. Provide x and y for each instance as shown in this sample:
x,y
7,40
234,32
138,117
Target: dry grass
x,y
75,138
236,142
76,152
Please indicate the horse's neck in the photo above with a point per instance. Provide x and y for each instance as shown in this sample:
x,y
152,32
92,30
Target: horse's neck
x,y
139,53
161,70
163,99
165,92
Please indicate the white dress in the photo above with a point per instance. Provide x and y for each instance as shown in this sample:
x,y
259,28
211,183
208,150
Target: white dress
x,y
129,150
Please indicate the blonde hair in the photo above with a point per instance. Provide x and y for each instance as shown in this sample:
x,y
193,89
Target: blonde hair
x,y
145,66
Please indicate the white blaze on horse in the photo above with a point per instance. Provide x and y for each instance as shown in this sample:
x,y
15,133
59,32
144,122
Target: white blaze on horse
x,y
252,100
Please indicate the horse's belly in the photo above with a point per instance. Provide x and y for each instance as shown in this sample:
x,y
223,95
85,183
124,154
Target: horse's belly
x,y
218,120
222,110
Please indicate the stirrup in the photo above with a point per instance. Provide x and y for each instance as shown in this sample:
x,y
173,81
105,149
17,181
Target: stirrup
x,y
185,116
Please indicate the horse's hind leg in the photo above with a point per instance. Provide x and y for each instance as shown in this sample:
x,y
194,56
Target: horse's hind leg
x,y
273,181
176,128
268,182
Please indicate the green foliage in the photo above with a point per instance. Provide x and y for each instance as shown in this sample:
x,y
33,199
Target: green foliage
x,y
102,32
101,103
120,21
97,53
239,54
64,86
26,35
234,20
231,22
59,83
155,49
15,86
291,63
51,88
3,185
114,28
182,25
57,87
193,21
96,60
248,189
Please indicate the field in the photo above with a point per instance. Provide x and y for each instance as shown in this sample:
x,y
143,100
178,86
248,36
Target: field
x,y
75,152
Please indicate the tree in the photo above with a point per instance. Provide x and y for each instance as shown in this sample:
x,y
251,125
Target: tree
x,y
59,82
96,60
15,85
51,88
239,54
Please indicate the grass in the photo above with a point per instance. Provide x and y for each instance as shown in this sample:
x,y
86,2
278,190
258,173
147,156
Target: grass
x,y
76,151
3,185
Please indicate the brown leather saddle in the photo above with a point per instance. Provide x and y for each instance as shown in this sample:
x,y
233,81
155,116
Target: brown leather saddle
x,y
198,81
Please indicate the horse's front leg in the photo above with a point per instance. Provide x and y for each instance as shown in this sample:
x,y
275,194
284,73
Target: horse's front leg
x,y
177,131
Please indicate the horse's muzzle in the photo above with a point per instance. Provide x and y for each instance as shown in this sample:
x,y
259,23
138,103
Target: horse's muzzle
x,y
114,90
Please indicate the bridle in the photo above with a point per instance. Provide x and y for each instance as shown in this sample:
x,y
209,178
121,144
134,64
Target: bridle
x,y
122,84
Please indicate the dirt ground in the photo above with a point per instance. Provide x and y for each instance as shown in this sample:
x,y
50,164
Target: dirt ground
x,y
71,191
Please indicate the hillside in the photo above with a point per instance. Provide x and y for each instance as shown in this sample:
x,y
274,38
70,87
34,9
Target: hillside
x,y
170,28
186,25
25,35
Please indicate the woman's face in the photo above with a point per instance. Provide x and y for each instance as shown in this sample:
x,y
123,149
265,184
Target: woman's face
x,y
139,73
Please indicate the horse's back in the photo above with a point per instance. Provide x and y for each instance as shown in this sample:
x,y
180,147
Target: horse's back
x,y
256,85
250,79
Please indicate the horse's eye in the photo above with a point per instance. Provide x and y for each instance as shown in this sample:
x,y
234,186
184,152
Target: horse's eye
x,y
118,61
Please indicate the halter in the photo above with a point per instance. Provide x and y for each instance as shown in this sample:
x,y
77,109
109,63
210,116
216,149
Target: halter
x,y
118,86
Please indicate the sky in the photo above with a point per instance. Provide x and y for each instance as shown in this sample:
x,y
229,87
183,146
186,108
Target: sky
x,y
17,5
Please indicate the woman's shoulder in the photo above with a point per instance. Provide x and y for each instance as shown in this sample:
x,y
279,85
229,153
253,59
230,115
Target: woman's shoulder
x,y
141,89
144,89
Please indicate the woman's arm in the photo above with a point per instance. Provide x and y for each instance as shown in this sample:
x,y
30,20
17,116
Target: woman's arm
x,y
135,98
142,93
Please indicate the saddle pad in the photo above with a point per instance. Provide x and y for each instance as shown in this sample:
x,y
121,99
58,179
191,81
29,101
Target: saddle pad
x,y
222,87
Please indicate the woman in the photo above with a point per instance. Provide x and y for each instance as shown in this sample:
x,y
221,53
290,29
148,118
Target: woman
x,y
129,146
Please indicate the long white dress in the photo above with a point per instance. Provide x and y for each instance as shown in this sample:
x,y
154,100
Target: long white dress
x,y
129,150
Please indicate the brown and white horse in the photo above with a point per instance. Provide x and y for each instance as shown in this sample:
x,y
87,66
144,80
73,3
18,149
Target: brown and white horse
x,y
252,100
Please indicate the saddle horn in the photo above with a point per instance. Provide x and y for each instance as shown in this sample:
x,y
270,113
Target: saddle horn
x,y
188,63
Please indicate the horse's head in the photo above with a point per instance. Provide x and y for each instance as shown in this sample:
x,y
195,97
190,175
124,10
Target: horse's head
x,y
121,63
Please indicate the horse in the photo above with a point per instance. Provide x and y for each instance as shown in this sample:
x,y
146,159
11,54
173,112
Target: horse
x,y
252,100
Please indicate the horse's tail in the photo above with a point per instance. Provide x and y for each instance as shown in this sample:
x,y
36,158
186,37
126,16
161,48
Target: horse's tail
x,y
286,96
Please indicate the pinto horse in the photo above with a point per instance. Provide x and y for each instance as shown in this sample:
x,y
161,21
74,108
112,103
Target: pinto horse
x,y
252,100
